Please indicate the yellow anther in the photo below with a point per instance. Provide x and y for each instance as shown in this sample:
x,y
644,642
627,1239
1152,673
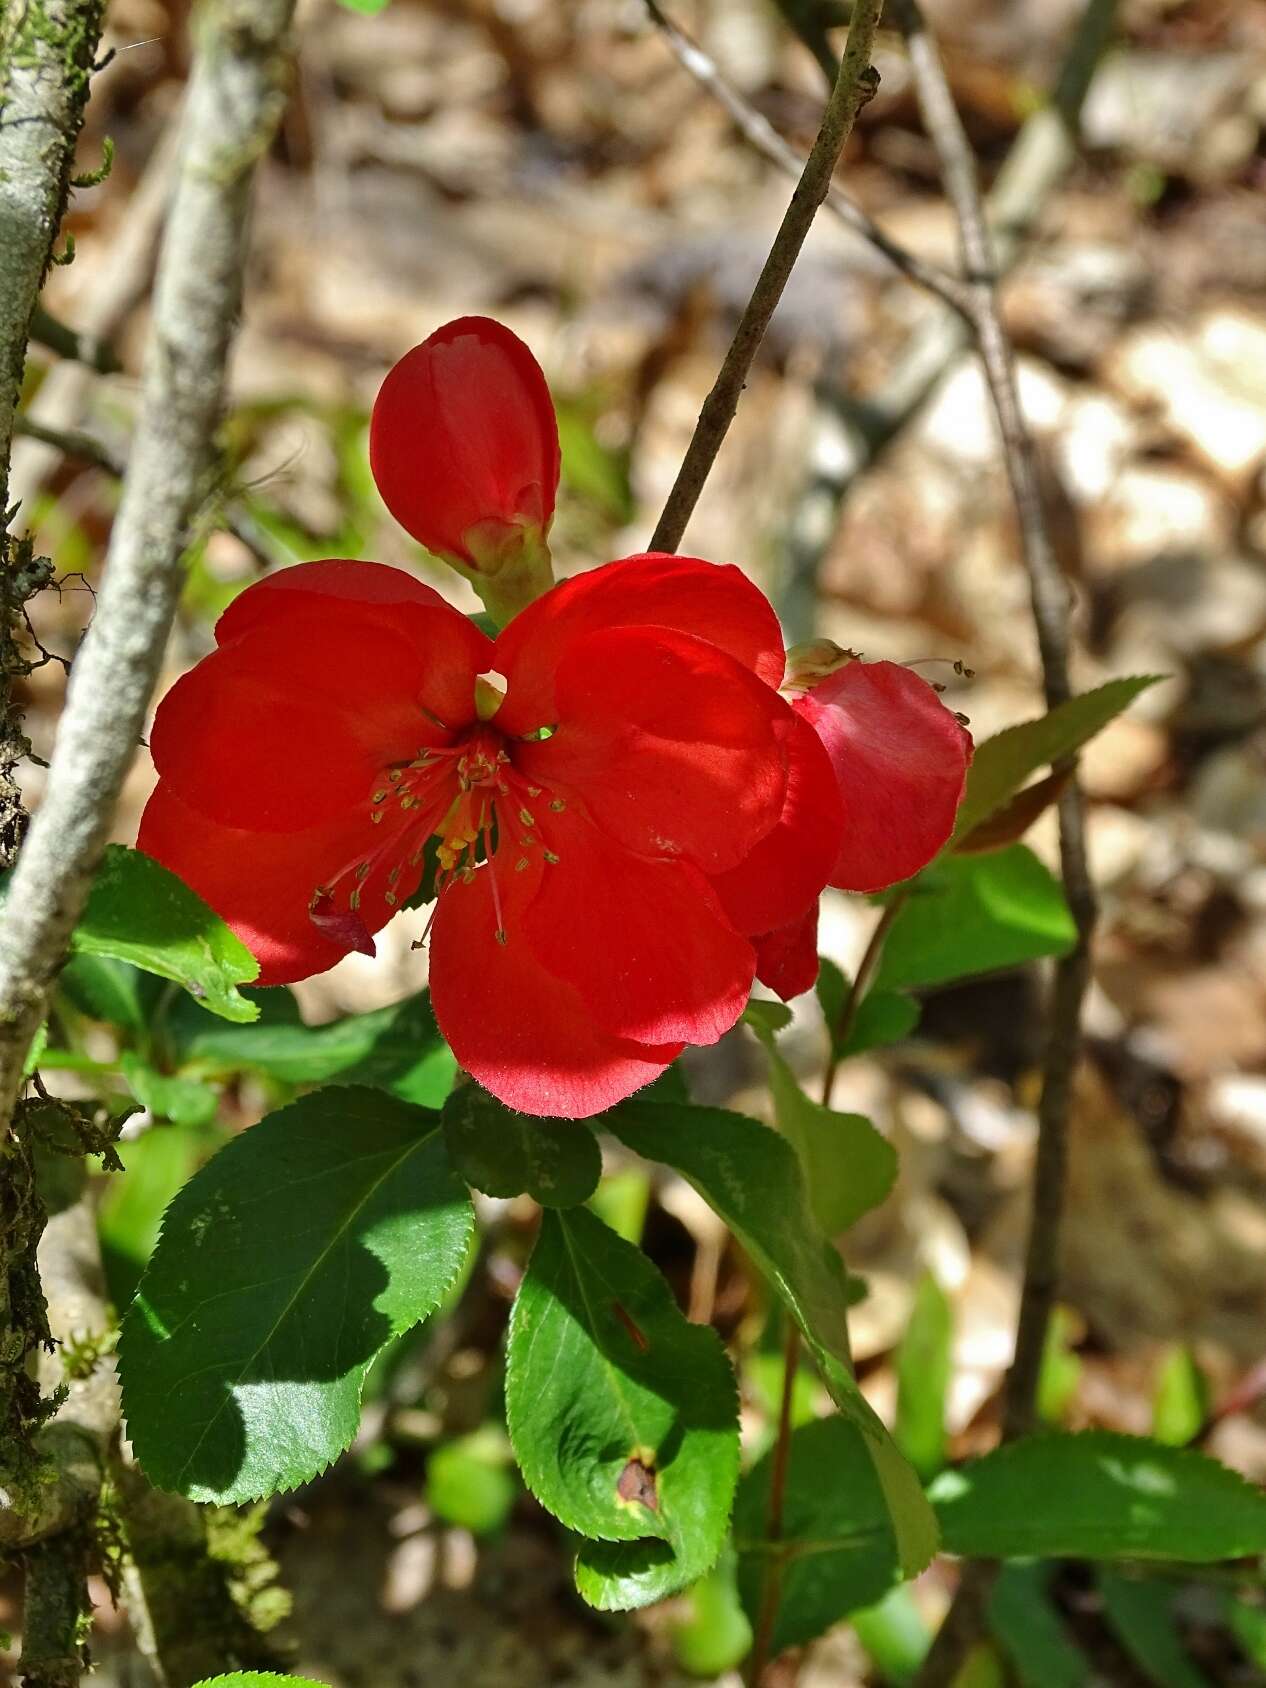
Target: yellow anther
x,y
354,900
526,818
521,864
389,897
557,805
550,856
375,816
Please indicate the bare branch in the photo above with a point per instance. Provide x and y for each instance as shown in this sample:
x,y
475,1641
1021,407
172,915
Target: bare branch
x,y
854,85
236,98
1049,596
80,347
761,134
1042,155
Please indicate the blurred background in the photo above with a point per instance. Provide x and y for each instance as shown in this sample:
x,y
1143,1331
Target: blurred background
x,y
553,165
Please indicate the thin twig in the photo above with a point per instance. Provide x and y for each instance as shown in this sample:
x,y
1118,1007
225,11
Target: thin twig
x,y
236,97
1049,595
854,85
771,1593
95,354
761,134
858,433
856,994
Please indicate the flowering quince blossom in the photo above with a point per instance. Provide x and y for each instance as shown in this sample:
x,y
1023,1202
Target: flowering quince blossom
x,y
628,812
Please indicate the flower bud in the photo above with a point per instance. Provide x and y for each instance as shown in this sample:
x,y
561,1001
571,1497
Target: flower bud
x,y
463,444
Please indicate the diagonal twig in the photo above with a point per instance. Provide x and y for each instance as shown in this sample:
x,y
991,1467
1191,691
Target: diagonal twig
x,y
760,133
1049,596
855,83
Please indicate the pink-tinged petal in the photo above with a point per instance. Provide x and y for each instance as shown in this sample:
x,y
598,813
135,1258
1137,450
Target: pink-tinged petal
x,y
463,436
713,601
643,943
787,959
527,1037
262,883
900,758
786,870
676,749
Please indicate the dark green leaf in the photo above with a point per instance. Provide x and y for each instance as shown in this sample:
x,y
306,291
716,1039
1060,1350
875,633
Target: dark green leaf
x,y
111,991
751,1177
923,1375
1098,1495
975,914
184,1101
1003,763
1142,1616
139,913
557,1162
767,1018
837,1546
624,1416
1247,1623
1031,1633
397,1048
283,1267
882,1017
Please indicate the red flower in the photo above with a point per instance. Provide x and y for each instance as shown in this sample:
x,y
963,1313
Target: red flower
x,y
640,801
900,760
463,444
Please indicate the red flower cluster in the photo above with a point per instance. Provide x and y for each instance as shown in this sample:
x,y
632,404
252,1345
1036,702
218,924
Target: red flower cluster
x,y
628,811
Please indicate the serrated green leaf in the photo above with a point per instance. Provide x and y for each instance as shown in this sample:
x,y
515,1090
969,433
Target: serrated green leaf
x,y
767,1018
623,1415
503,1153
882,1017
1098,1495
976,914
257,1679
283,1267
183,1101
1030,1632
139,913
397,1048
1141,1614
849,1168
1003,763
838,1548
923,1376
751,1177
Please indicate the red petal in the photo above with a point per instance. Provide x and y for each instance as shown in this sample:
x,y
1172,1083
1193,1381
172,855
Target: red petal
x,y
787,960
714,601
900,757
374,591
675,749
644,943
292,724
262,883
522,1033
463,432
786,870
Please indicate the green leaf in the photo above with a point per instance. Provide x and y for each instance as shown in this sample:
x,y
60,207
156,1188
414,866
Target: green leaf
x,y
975,914
283,1267
767,1019
623,1415
504,1153
155,1165
182,1100
370,8
751,1177
1098,1495
109,990
1247,1623
398,1048
882,1017
1060,1372
1003,763
140,913
1142,1616
257,1679
715,1637
1180,1403
1030,1632
894,1634
469,1483
923,1376
838,1549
